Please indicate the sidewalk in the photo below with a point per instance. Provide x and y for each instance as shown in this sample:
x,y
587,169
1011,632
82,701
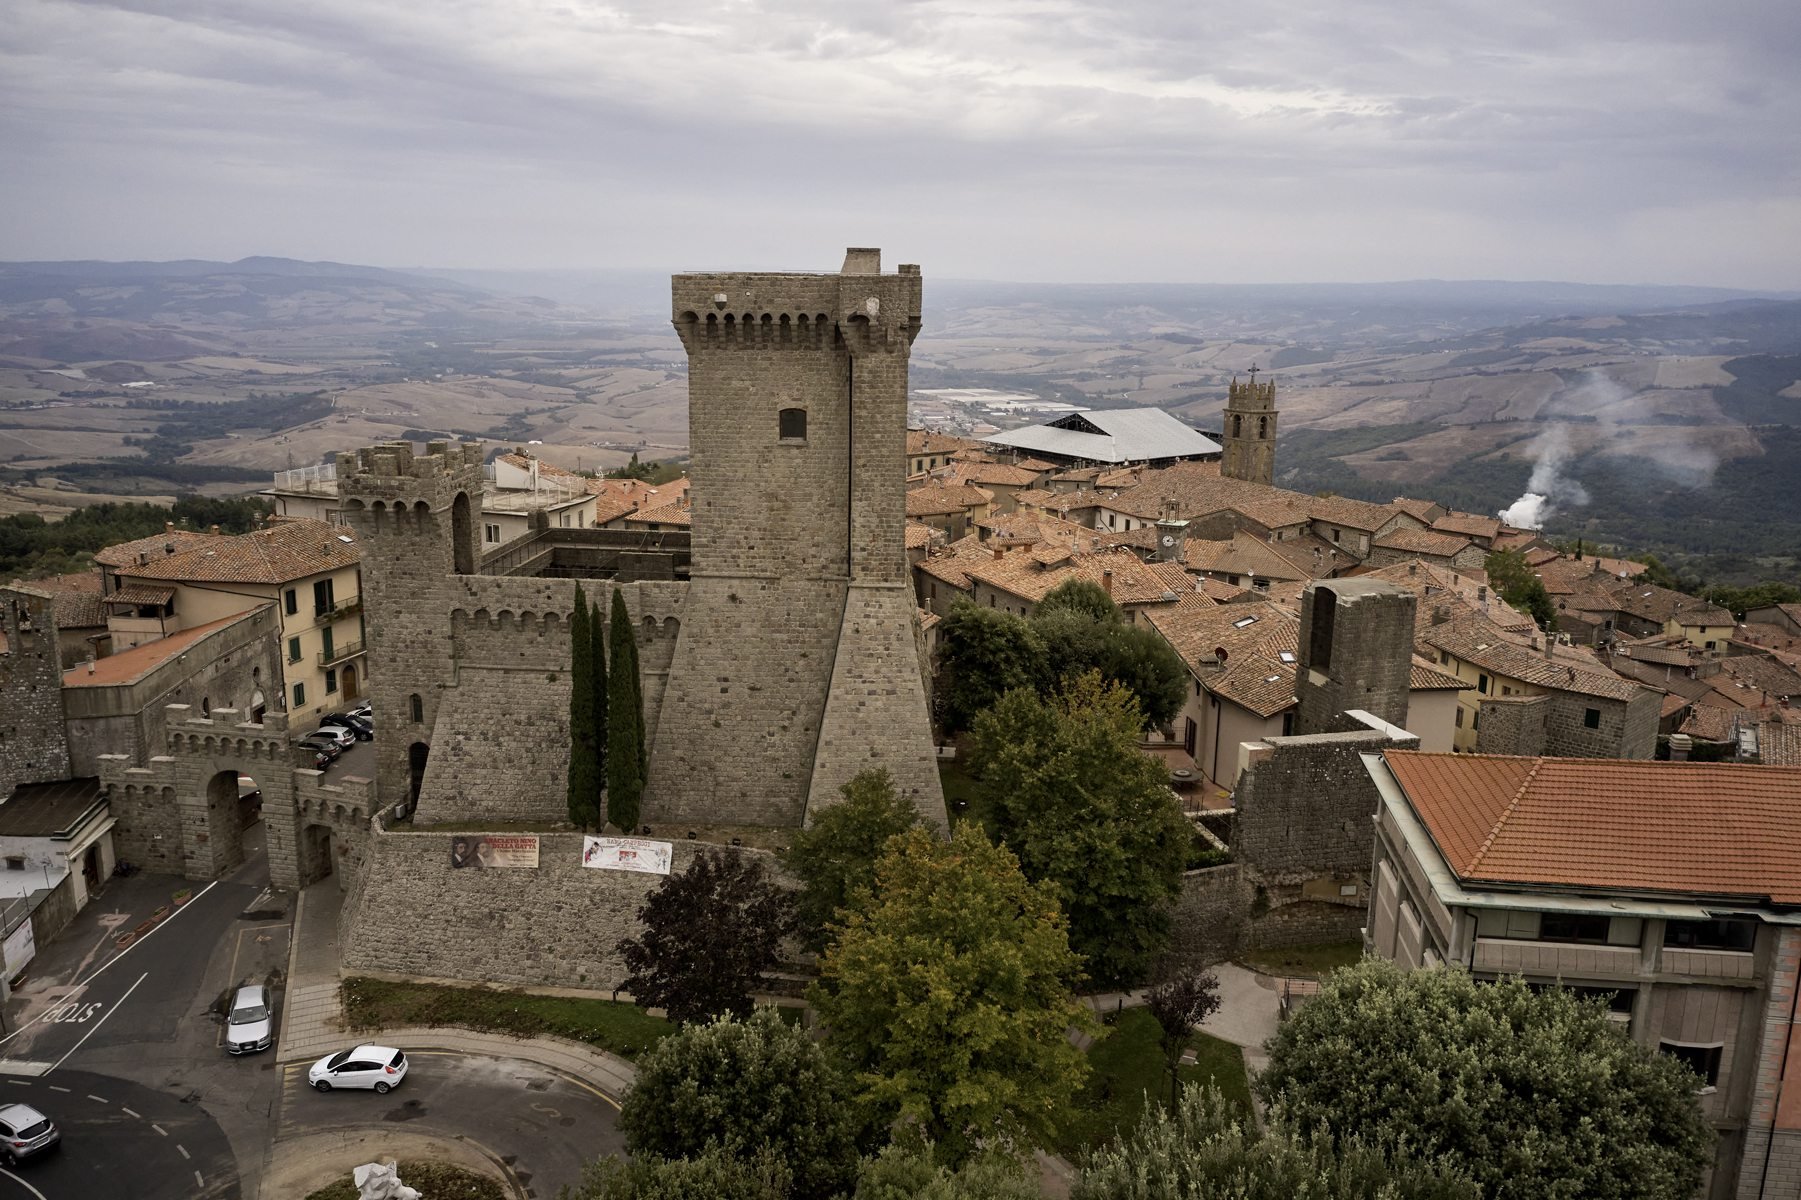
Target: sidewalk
x,y
313,1022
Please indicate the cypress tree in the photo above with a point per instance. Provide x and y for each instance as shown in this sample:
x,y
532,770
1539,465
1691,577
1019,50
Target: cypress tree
x,y
625,766
597,676
584,766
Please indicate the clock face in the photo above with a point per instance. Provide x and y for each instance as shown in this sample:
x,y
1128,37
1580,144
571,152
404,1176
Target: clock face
x,y
1169,539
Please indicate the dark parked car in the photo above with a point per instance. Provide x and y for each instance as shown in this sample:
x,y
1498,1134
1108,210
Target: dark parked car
x,y
363,730
324,744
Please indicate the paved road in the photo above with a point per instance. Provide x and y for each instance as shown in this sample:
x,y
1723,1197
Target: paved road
x,y
541,1124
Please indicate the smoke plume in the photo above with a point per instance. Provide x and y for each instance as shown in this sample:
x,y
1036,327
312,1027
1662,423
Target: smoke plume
x,y
1549,490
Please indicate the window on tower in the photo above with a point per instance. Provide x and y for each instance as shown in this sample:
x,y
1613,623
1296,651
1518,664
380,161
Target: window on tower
x,y
791,425
1237,425
1262,427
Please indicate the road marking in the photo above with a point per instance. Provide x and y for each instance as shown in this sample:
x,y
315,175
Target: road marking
x,y
27,1186
109,962
54,1088
198,1181
129,1113
117,1005
184,1150
101,1099
21,1066
159,1129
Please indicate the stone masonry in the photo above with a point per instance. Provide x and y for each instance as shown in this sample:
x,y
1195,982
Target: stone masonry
x,y
1355,652
34,748
1248,435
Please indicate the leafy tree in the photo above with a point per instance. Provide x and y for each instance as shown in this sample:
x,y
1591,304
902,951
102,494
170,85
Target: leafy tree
x,y
1178,1004
1658,575
739,1086
1512,576
1204,1152
584,767
947,995
1148,667
983,654
911,1172
625,719
714,1174
598,684
1740,600
1067,788
709,934
836,855
1532,1094
1081,597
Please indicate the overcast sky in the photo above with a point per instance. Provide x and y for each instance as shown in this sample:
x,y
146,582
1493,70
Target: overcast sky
x,y
1639,141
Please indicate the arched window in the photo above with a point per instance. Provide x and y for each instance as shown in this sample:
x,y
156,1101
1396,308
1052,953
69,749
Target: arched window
x,y
1263,427
417,707
1237,425
791,425
462,534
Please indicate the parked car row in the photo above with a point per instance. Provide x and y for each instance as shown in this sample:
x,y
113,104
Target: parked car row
x,y
338,732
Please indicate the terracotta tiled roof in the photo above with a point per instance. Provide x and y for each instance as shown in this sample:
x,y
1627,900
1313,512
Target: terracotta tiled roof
x,y
1709,829
1478,641
1243,554
926,441
1779,744
673,513
1469,525
919,536
640,493
1649,602
1759,673
1132,581
1352,514
608,509
77,599
277,553
547,472
989,474
927,618
1427,678
1259,639
1420,510
161,545
948,563
141,593
129,666
939,499
1423,541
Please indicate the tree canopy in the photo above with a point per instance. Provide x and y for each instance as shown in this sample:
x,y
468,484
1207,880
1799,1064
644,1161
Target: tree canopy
x,y
911,1172
1512,576
1203,1151
983,654
1067,789
741,1086
713,1174
1533,1094
625,765
836,856
708,935
947,994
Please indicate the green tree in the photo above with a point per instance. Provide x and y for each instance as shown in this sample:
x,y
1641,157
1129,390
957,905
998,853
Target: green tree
x,y
1081,597
1146,665
1090,814
714,1174
1204,1152
708,935
1658,575
1512,576
983,654
1533,1094
1740,600
584,767
598,683
742,1085
836,855
947,995
910,1171
625,719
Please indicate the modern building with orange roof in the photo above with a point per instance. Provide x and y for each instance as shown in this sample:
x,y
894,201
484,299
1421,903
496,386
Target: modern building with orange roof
x,y
1670,891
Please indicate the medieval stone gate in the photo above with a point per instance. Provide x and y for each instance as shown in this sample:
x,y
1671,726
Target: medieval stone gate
x,y
182,813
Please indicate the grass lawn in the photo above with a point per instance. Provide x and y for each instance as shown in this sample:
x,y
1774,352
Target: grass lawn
x,y
1128,1063
621,1029
1311,962
432,1179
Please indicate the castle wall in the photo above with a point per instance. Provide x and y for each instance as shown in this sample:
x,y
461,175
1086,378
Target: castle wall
x,y
1355,652
33,745
557,925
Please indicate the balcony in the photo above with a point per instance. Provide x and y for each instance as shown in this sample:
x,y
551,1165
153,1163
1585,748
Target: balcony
x,y
1709,964
338,654
342,608
1518,957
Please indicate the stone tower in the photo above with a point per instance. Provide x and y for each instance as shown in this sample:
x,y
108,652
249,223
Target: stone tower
x,y
416,521
34,744
795,667
1356,651
1248,436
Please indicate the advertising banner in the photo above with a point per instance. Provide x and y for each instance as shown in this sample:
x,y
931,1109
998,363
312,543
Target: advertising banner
x,y
627,854
494,850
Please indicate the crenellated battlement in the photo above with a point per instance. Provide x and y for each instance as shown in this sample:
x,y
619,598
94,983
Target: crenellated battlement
x,y
859,308
392,476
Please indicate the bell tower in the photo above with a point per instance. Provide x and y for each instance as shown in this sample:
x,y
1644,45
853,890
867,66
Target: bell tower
x,y
1248,435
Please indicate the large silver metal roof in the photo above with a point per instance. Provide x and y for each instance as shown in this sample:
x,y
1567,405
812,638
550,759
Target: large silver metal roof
x,y
1111,435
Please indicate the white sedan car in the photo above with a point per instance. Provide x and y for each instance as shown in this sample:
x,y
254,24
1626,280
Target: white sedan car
x,y
378,1067
337,733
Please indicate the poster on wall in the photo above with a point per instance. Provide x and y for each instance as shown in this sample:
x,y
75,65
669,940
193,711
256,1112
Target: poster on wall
x,y
19,949
494,850
627,854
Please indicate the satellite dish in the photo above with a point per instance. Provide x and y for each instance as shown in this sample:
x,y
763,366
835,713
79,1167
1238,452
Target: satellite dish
x,y
1219,655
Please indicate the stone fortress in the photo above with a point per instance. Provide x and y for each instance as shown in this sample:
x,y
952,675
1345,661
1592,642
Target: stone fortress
x,y
777,640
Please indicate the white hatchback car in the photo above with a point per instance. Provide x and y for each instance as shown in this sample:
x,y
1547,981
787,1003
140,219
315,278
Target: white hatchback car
x,y
337,733
378,1067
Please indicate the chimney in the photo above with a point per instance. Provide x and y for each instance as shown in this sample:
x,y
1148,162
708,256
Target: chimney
x,y
1549,643
1107,580
214,531
1680,745
168,527
999,553
1441,613
1482,596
